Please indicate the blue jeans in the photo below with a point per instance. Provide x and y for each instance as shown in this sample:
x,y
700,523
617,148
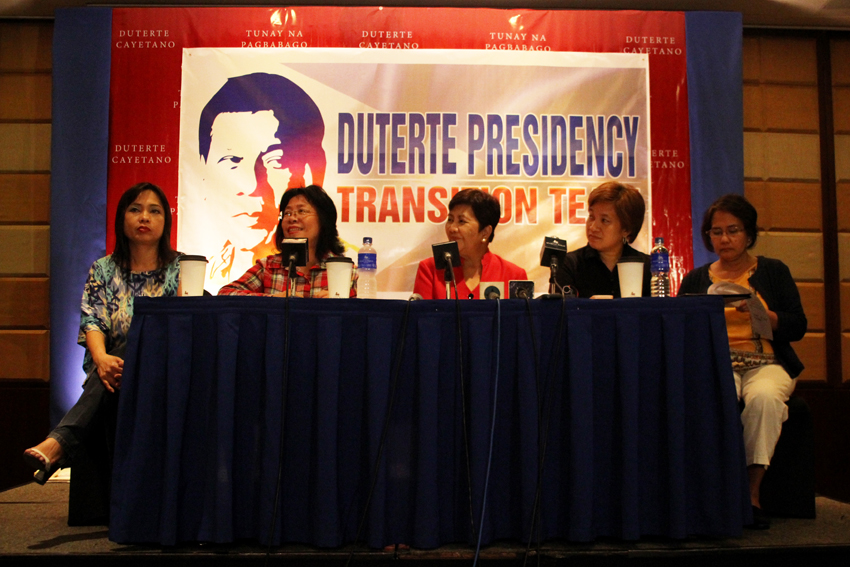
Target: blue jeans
x,y
95,402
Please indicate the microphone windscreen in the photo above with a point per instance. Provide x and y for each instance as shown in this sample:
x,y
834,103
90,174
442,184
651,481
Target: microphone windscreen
x,y
553,247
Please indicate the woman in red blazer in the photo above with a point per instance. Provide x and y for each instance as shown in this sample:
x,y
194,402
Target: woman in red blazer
x,y
473,217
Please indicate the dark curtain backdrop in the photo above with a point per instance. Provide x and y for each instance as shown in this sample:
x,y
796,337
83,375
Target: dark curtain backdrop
x,y
81,57
715,111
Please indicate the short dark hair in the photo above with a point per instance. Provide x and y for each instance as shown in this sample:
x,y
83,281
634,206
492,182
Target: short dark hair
x,y
628,204
301,127
325,209
737,206
485,207
121,253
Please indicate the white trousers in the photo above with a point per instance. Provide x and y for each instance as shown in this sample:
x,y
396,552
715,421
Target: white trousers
x,y
764,391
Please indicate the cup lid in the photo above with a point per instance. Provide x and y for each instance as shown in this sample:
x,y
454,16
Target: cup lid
x,y
192,258
339,259
630,259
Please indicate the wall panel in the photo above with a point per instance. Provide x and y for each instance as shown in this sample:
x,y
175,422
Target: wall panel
x,y
811,294
25,355
24,250
842,157
781,156
26,46
845,357
802,252
786,206
25,198
782,167
25,147
788,60
25,96
812,352
751,58
840,58
24,303
841,109
790,108
844,254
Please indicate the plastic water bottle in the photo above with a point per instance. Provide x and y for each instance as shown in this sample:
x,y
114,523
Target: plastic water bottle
x,y
659,265
367,267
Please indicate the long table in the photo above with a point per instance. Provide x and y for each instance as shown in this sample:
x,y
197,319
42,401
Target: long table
x,y
627,407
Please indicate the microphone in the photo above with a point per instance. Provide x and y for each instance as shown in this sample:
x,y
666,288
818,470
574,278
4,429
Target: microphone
x,y
554,252
520,289
446,257
294,253
415,297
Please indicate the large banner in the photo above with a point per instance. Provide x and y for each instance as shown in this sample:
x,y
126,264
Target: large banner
x,y
392,135
535,107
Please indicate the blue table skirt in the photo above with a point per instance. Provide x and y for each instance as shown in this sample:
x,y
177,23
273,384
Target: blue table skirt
x,y
643,436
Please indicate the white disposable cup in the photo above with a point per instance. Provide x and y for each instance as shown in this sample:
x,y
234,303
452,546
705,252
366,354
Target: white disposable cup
x,y
193,270
339,276
630,272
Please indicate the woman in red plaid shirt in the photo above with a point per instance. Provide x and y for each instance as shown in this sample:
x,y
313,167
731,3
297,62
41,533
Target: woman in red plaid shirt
x,y
304,213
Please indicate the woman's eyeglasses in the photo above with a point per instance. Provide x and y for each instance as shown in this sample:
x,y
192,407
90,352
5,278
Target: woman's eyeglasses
x,y
297,214
731,231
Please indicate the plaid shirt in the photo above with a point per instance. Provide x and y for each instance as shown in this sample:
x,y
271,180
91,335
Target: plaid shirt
x,y
269,276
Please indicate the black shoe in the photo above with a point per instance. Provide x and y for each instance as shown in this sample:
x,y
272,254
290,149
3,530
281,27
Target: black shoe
x,y
761,521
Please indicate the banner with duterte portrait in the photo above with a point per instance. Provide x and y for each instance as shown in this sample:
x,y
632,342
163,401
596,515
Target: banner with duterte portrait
x,y
392,135
397,109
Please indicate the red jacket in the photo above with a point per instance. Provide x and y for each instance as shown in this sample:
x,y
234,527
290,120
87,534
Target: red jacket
x,y
430,282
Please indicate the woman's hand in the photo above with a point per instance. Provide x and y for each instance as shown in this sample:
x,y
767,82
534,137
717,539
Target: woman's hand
x,y
109,370
743,307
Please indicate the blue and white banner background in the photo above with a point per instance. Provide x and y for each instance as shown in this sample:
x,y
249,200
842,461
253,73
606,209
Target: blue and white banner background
x,y
402,132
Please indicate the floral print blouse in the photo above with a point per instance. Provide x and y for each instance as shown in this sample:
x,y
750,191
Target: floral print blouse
x,y
107,304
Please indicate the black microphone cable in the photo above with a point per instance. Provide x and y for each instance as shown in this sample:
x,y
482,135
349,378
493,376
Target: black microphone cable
x,y
539,387
463,411
492,430
385,430
284,387
543,435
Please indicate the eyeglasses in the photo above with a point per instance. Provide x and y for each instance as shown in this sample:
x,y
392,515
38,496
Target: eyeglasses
x,y
731,231
297,214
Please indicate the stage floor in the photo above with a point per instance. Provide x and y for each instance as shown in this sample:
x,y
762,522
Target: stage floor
x,y
33,528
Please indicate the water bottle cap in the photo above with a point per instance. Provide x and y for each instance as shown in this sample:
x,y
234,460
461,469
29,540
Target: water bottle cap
x,y
367,240
659,240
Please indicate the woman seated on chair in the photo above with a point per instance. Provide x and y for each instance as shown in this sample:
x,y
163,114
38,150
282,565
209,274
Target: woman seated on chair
x,y
306,212
614,218
472,221
765,370
142,264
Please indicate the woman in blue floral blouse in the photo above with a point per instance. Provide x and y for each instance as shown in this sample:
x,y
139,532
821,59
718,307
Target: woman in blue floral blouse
x,y
142,264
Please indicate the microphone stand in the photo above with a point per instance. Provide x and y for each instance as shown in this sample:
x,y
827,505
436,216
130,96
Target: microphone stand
x,y
449,275
553,269
292,273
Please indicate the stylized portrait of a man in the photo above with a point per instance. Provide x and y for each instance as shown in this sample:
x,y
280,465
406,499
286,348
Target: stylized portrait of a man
x,y
259,135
